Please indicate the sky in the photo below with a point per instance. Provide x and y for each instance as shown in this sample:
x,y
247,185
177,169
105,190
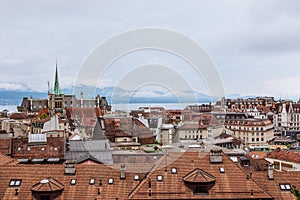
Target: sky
x,y
254,45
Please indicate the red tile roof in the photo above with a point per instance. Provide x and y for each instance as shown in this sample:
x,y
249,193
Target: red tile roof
x,y
272,186
285,155
127,127
233,184
18,116
5,160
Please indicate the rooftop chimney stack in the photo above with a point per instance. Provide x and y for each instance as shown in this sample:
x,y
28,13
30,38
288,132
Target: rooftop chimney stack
x,y
270,172
216,156
70,167
123,169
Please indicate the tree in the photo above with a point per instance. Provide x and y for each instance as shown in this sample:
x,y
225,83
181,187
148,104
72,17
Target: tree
x,y
43,116
296,192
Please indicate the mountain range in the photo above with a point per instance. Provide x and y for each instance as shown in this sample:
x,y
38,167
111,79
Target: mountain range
x,y
14,95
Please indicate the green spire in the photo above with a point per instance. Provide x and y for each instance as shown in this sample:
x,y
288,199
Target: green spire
x,y
56,90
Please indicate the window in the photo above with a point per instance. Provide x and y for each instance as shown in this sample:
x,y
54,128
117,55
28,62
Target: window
x,y
19,148
43,149
159,178
45,197
15,183
28,149
285,186
73,182
201,189
55,149
174,171
110,181
222,170
136,177
92,181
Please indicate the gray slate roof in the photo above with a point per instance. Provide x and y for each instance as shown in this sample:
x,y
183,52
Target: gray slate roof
x,y
98,149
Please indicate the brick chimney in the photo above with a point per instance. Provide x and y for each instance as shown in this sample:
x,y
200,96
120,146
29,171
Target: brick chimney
x,y
216,156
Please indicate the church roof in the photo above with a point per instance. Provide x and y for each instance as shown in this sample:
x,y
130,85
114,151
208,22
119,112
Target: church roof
x,y
57,91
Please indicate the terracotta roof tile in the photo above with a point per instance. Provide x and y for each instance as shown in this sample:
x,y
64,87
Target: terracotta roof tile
x,y
286,155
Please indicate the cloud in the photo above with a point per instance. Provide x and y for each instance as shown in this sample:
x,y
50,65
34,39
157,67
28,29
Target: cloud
x,y
14,87
248,43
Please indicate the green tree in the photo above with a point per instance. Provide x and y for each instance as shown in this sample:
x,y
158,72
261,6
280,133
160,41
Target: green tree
x,y
43,116
296,192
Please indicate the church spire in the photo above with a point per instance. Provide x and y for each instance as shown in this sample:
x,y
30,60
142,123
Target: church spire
x,y
56,90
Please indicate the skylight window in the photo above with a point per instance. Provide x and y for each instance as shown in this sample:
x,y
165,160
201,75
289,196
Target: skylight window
x,y
28,149
159,178
285,186
73,182
92,181
15,183
174,171
110,181
55,149
43,149
136,177
19,148
222,170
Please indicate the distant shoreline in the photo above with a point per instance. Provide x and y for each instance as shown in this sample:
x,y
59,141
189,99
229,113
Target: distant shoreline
x,y
126,107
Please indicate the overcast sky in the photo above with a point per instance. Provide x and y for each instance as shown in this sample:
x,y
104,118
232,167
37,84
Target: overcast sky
x,y
254,44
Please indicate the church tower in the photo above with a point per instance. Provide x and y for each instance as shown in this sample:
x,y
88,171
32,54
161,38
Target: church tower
x,y
56,97
56,89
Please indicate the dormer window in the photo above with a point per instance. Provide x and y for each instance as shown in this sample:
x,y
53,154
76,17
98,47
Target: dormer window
x,y
199,181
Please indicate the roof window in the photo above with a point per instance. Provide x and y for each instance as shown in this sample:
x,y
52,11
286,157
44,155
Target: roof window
x,y
15,183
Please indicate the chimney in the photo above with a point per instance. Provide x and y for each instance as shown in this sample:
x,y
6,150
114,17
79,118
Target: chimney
x,y
81,99
123,169
215,156
270,172
70,167
98,101
31,103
